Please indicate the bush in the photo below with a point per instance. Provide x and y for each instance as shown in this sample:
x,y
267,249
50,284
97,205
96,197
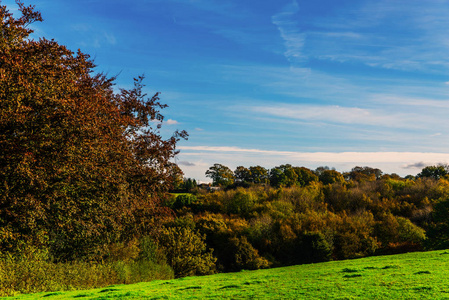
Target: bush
x,y
409,232
438,232
238,254
313,248
241,203
184,200
186,252
30,271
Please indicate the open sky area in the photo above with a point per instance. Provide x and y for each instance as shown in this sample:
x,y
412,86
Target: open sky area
x,y
310,83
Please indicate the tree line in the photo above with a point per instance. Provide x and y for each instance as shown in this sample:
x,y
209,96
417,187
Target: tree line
x,y
294,215
287,175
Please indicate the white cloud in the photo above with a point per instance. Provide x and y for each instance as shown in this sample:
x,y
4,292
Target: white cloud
x,y
321,157
172,122
389,162
232,149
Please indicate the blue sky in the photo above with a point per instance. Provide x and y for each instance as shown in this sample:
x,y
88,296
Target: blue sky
x,y
310,83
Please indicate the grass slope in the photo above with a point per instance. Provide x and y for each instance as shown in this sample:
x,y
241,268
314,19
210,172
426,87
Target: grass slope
x,y
405,276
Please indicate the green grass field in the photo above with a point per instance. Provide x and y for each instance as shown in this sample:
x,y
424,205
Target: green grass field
x,y
406,276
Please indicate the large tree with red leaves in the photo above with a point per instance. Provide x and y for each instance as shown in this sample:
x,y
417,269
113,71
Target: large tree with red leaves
x,y
81,166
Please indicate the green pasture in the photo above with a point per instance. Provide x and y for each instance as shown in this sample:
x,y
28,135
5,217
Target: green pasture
x,y
405,276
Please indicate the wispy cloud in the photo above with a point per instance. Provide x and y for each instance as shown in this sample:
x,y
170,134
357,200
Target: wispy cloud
x,y
337,34
417,40
337,114
110,38
411,101
288,27
383,115
81,27
215,6
93,36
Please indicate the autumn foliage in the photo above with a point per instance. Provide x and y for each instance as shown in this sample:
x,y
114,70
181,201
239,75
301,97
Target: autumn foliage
x,y
81,166
85,175
261,225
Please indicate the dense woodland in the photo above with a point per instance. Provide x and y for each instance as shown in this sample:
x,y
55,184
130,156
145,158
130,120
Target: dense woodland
x,y
89,193
293,215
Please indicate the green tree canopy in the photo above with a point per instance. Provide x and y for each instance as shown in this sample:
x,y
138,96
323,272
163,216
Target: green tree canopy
x,y
364,174
283,175
305,176
435,172
220,175
242,174
331,176
259,175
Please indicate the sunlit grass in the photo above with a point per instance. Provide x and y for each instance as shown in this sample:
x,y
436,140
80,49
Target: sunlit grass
x,y
405,276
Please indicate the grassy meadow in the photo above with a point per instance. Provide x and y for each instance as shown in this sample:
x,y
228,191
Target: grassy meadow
x,y
418,275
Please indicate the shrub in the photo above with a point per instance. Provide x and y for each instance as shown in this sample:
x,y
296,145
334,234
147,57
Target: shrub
x,y
241,203
30,271
184,200
238,254
409,232
186,252
313,248
438,232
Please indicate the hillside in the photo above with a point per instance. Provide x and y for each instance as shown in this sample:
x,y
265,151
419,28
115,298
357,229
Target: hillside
x,y
419,275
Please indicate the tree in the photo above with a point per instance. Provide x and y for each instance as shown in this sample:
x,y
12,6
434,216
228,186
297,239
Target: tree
x,y
80,164
187,252
259,175
177,176
242,174
305,176
331,176
320,170
220,175
435,172
364,174
238,254
283,175
438,232
189,184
